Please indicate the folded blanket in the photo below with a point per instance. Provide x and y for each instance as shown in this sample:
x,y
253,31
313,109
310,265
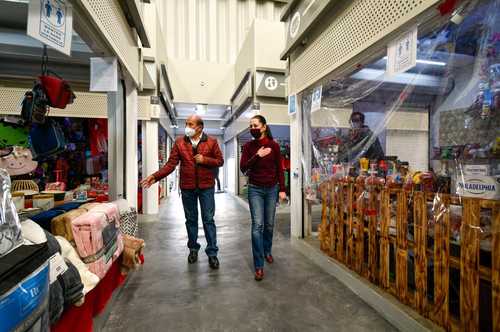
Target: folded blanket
x,y
61,225
56,302
72,286
44,219
133,249
89,206
89,279
61,272
69,206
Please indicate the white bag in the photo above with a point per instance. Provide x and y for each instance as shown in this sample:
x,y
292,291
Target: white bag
x,y
10,227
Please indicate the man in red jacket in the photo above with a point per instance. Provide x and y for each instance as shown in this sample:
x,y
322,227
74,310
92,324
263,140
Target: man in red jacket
x,y
198,154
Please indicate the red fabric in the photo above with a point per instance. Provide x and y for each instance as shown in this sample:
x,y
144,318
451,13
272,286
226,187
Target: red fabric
x,y
193,176
79,319
447,7
98,134
263,172
58,91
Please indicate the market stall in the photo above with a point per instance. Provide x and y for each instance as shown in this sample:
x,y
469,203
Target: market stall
x,y
402,167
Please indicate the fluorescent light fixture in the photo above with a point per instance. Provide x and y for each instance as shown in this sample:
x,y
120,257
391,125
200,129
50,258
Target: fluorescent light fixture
x,y
201,109
427,62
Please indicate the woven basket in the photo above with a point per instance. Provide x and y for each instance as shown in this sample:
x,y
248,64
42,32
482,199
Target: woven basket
x,y
24,186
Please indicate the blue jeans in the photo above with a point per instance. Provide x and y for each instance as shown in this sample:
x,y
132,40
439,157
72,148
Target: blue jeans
x,y
263,209
207,202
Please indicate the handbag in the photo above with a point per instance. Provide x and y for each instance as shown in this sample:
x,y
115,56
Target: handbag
x,y
58,91
46,140
13,134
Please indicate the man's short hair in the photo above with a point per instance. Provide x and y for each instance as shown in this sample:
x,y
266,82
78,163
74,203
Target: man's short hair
x,y
360,115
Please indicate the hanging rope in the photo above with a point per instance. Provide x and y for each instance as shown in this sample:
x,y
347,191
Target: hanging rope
x,y
45,60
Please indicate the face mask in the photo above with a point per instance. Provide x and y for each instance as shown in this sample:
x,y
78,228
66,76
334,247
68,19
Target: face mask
x,y
190,132
255,133
355,124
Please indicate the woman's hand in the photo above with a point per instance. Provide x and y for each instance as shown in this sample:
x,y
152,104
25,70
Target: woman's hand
x,y
148,182
264,152
283,196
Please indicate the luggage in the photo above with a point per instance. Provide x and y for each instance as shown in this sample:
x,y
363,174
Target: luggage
x,y
46,140
24,289
98,239
10,228
69,206
61,225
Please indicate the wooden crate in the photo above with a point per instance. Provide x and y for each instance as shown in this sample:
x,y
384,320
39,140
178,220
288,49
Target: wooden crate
x,y
356,217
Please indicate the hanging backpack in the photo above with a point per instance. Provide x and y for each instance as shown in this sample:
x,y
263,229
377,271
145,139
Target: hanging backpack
x,y
35,105
46,140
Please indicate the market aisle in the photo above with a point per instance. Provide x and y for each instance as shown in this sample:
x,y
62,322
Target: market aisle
x,y
170,295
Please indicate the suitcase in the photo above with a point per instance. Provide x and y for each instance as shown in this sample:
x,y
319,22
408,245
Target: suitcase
x,y
61,225
24,289
98,240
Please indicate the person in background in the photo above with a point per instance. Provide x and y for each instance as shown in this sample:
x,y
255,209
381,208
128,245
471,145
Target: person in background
x,y
216,175
261,162
361,142
198,155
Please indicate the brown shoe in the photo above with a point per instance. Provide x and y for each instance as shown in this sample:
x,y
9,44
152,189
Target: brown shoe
x,y
270,259
259,274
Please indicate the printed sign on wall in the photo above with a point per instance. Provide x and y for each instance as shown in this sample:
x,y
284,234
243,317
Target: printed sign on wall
x,y
402,53
51,22
292,104
316,99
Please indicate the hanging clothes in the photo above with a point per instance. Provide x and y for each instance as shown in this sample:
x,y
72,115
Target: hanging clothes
x,y
98,134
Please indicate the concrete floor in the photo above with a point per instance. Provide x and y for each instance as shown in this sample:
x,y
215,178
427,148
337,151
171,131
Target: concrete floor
x,y
167,294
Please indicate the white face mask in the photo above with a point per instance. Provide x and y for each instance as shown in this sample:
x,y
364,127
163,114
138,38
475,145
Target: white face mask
x,y
190,132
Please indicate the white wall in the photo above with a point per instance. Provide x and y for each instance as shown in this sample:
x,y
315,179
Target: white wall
x,y
211,30
201,82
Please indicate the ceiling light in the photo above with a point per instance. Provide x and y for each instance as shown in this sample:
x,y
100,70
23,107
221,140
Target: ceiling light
x,y
427,62
201,109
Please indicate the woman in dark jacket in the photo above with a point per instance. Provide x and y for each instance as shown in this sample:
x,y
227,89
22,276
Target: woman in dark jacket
x,y
261,162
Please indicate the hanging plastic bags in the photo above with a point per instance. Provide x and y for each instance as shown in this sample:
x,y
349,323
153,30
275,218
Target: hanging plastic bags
x,y
10,227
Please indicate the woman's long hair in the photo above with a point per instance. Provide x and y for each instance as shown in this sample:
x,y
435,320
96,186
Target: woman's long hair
x,y
263,121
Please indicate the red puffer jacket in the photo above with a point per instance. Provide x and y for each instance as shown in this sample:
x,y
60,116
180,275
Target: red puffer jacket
x,y
193,175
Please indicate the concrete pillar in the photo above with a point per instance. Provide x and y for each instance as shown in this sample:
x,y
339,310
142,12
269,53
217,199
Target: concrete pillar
x,y
296,211
131,144
150,165
116,137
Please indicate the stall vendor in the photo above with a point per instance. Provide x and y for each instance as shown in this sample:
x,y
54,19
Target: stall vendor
x,y
360,142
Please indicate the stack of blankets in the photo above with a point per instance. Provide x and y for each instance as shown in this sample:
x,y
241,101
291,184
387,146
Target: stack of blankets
x,y
84,241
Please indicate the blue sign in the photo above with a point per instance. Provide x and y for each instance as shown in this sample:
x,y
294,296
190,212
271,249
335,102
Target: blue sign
x,y
292,104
